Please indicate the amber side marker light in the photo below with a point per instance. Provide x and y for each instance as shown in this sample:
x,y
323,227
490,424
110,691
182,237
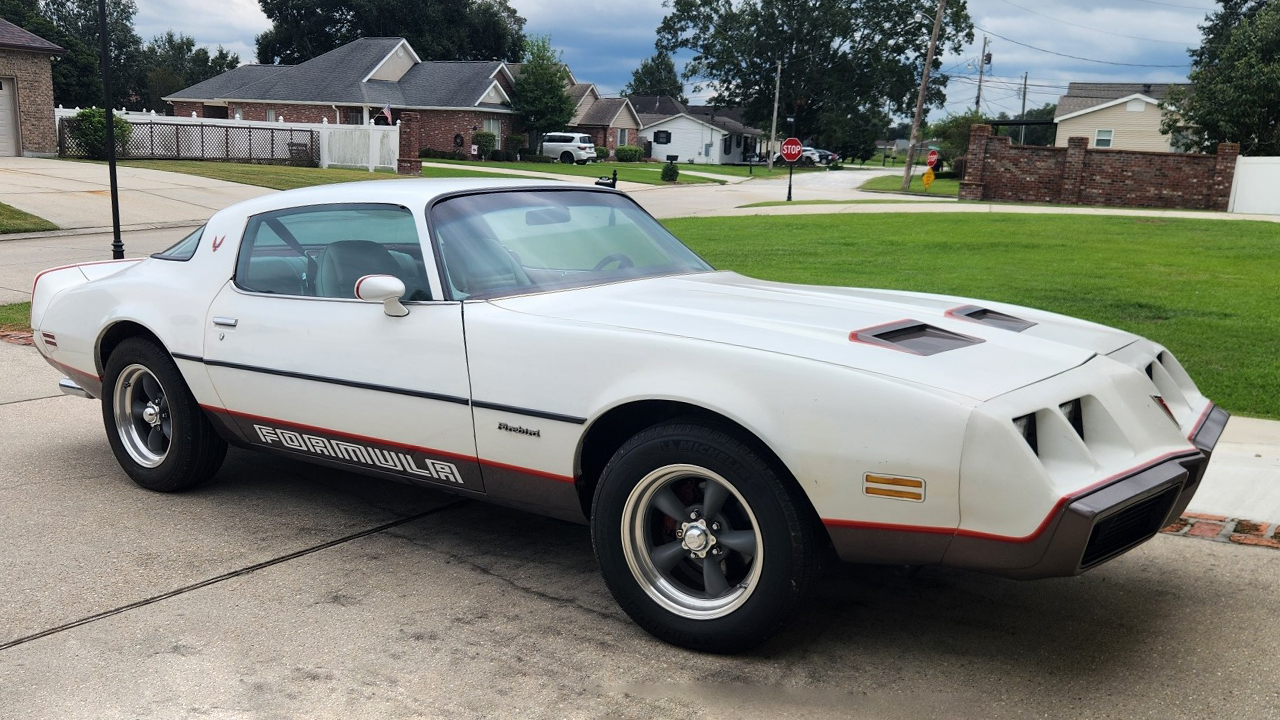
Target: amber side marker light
x,y
892,486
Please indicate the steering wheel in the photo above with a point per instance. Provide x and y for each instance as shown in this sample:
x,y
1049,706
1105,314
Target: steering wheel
x,y
623,261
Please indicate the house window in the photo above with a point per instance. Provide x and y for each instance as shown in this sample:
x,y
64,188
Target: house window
x,y
728,144
271,116
661,137
622,136
495,127
1102,138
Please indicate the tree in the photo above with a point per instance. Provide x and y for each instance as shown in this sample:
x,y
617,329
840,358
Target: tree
x,y
437,30
1235,83
1040,134
173,62
952,133
656,76
77,80
856,56
541,94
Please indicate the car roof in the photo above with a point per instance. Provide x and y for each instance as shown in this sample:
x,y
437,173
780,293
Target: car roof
x,y
409,192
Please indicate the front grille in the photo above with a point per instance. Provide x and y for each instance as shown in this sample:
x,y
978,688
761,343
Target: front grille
x,y
1116,533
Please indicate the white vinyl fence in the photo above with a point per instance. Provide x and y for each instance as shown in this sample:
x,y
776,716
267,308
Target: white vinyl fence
x,y
371,147
1254,188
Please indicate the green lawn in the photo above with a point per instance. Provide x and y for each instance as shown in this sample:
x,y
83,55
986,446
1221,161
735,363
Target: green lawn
x,y
15,317
647,173
13,220
949,187
285,177
1206,289
779,203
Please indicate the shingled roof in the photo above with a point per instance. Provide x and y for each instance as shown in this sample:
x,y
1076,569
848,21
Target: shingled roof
x,y
1082,96
13,37
338,77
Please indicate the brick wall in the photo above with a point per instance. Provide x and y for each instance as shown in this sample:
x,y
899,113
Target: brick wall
x,y
291,113
36,133
1076,175
440,126
184,109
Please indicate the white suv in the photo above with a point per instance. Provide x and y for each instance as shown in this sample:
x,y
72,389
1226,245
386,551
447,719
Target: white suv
x,y
569,147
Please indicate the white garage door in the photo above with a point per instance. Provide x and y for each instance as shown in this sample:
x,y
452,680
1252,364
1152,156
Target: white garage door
x,y
8,118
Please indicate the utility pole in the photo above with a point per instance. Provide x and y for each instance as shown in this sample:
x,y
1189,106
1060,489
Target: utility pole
x,y
924,89
773,132
1022,134
117,246
983,61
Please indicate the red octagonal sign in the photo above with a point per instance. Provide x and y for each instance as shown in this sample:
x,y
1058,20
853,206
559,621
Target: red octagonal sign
x,y
791,149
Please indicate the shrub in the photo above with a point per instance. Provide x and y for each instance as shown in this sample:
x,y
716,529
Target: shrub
x,y
628,153
833,165
670,173
515,143
427,153
498,155
485,142
89,130
602,152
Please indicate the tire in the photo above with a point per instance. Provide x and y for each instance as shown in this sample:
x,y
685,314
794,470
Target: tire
x,y
566,157
657,566
160,437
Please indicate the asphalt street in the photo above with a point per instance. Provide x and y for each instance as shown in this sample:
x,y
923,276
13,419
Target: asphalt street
x,y
265,595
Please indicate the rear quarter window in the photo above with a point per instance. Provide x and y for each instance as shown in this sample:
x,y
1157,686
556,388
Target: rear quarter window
x,y
184,249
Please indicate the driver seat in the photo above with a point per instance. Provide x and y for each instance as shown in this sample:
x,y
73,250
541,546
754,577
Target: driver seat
x,y
346,261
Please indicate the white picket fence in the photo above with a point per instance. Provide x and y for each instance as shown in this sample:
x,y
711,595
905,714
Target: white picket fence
x,y
371,147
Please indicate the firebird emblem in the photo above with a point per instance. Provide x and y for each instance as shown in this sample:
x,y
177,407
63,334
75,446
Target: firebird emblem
x,y
217,242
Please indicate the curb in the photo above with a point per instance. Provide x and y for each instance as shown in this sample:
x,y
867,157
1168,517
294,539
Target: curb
x,y
1220,528
68,232
16,337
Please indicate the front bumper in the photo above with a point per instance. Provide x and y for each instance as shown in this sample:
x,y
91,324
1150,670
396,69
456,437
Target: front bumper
x,y
1100,523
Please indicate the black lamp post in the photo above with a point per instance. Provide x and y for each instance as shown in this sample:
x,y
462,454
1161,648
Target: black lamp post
x,y
117,245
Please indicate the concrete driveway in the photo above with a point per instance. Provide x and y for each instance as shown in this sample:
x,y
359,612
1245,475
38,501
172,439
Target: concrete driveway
x,y
282,590
78,194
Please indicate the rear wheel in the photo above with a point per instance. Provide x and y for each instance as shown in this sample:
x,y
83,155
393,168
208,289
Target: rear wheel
x,y
700,539
156,429
566,157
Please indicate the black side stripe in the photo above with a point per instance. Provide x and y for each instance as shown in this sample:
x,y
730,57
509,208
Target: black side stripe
x,y
387,389
337,381
531,413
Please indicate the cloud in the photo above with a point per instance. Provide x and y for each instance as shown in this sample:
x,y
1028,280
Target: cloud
x,y
232,24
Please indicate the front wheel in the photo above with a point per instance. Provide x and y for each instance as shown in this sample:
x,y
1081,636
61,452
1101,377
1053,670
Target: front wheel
x,y
156,429
701,540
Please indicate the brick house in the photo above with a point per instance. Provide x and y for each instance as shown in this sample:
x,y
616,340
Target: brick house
x,y
26,93
609,121
1114,116
353,84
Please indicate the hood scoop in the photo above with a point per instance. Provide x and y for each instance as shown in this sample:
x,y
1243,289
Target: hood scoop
x,y
973,313
913,336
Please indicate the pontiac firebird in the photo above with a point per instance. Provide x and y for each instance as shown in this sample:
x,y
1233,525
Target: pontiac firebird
x,y
553,348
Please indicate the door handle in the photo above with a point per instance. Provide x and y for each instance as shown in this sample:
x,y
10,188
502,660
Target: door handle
x,y
225,321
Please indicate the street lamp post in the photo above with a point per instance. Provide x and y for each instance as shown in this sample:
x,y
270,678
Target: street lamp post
x,y
117,245
924,89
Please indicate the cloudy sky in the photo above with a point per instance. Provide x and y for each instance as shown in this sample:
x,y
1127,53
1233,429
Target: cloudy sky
x,y
1146,40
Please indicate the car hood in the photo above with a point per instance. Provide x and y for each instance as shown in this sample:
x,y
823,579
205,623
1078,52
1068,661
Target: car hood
x,y
816,322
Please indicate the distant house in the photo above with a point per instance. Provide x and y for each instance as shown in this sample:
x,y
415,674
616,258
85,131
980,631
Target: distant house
x,y
352,84
26,92
697,134
609,121
1118,116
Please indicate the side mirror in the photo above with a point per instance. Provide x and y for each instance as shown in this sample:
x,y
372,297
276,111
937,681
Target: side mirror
x,y
386,289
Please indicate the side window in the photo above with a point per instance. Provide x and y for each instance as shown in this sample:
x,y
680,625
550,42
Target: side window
x,y
322,250
185,249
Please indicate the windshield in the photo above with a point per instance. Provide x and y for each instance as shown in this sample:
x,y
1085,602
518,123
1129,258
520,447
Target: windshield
x,y
507,243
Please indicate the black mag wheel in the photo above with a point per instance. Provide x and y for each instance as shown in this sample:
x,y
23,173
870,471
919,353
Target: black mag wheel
x,y
700,539
156,429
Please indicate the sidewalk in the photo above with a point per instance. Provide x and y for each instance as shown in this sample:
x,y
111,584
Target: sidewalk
x,y
78,194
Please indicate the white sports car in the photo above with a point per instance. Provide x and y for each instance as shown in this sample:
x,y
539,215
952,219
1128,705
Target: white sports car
x,y
554,348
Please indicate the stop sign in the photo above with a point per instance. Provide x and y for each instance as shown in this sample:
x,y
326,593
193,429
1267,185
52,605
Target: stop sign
x,y
791,149
933,158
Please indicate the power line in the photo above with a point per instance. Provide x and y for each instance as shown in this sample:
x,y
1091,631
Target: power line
x,y
1077,57
1172,5
1086,27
